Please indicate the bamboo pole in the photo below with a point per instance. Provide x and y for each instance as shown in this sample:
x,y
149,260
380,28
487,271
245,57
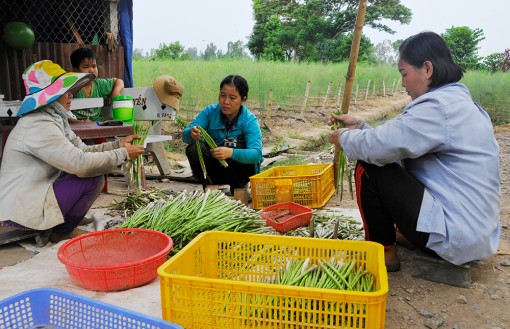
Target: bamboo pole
x,y
349,78
351,69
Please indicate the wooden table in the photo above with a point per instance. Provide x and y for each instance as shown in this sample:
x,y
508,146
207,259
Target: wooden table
x,y
91,130
83,130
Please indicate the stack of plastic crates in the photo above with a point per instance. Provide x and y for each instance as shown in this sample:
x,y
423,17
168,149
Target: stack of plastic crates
x,y
308,185
58,309
219,281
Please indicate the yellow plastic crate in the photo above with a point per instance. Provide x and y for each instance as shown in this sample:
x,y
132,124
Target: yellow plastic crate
x,y
215,282
309,185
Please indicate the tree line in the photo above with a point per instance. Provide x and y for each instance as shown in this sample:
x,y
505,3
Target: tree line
x,y
322,31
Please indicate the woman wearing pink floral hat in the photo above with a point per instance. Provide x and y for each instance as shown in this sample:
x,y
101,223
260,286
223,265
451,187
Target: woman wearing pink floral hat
x,y
49,178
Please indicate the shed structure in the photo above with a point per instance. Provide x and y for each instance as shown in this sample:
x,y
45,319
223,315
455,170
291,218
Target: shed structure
x,y
60,27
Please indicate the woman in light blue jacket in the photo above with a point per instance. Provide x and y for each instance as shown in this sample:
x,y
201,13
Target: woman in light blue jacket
x,y
235,130
430,176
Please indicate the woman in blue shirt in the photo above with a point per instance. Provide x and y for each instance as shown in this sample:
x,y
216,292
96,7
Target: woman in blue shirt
x,y
235,130
433,172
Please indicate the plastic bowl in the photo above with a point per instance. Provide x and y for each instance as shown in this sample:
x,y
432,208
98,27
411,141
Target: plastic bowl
x,y
116,259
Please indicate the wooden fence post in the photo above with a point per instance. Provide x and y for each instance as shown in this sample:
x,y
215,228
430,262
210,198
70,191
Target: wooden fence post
x,y
303,108
339,95
268,109
327,95
383,89
367,90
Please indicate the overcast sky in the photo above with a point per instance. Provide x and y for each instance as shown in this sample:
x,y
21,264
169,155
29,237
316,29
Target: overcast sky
x,y
196,23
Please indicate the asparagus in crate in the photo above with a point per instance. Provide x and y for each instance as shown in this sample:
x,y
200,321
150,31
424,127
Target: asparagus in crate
x,y
342,275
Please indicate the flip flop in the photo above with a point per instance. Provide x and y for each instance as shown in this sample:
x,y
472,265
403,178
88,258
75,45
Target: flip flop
x,y
9,235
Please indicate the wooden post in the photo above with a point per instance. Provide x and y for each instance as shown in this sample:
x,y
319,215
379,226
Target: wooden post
x,y
383,88
269,103
303,108
394,86
367,90
327,95
339,95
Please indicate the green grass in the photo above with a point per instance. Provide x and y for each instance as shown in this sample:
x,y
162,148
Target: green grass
x,y
288,81
491,91
316,143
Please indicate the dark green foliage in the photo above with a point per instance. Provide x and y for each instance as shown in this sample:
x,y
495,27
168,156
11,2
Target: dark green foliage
x,y
317,30
463,43
172,51
493,63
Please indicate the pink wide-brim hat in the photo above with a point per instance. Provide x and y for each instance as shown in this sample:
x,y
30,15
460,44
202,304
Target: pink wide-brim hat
x,y
45,82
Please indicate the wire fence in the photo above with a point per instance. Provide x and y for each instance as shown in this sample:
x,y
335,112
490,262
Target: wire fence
x,y
95,22
286,102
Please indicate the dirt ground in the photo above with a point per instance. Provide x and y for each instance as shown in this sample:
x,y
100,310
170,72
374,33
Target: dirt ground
x,y
411,302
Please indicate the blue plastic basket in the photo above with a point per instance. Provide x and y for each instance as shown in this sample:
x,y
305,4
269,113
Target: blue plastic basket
x,y
58,309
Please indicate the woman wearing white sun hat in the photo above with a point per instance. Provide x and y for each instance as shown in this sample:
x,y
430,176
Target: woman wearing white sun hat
x,y
49,178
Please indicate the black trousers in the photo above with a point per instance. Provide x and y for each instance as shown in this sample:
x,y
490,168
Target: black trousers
x,y
389,196
237,175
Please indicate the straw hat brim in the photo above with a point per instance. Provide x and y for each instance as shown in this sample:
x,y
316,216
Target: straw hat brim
x,y
168,90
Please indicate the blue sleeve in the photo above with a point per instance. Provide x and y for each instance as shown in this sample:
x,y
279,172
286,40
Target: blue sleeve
x,y
201,120
253,151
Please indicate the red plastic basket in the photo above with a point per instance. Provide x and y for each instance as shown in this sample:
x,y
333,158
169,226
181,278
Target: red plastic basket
x,y
286,216
116,259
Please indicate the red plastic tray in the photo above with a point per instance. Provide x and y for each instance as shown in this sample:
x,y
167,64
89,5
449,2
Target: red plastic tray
x,y
286,216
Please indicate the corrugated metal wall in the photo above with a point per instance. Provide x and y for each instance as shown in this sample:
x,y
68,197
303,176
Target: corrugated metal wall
x,y
14,62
